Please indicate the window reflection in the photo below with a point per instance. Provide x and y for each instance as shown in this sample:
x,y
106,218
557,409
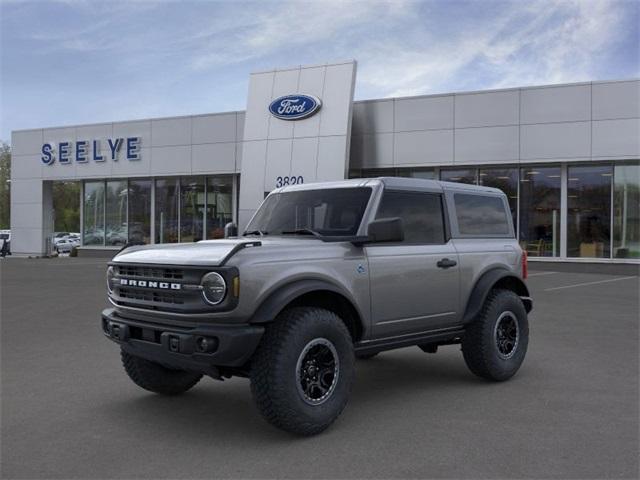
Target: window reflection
x,y
540,211
589,211
140,211
418,172
626,211
167,198
378,172
481,215
219,205
191,209
426,173
458,175
506,179
116,217
93,222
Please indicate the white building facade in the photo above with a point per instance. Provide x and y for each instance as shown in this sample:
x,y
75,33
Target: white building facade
x,y
567,156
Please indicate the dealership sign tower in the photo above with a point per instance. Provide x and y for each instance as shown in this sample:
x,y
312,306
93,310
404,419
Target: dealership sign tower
x,y
294,140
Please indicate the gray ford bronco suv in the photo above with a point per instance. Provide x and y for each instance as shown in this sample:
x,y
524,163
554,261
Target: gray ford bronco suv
x,y
324,274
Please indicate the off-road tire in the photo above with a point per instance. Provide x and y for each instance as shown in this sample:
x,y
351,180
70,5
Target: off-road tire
x,y
479,346
275,377
157,378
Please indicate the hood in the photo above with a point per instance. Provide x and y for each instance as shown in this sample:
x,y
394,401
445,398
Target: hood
x,y
207,252
210,252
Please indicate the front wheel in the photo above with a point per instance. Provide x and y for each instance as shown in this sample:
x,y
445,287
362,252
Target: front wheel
x,y
495,343
302,372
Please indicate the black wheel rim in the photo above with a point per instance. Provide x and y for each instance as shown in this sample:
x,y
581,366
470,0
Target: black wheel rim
x,y
317,371
507,335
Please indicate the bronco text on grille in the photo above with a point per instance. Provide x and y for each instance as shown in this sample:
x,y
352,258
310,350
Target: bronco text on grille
x,y
158,288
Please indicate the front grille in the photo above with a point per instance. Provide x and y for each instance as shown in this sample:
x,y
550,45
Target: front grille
x,y
170,289
150,272
151,296
155,297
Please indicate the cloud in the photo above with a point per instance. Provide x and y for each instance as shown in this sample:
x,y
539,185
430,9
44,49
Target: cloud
x,y
286,26
145,58
537,43
564,48
411,48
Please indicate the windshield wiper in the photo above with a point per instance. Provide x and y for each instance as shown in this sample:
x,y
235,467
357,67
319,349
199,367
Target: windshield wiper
x,y
254,232
302,231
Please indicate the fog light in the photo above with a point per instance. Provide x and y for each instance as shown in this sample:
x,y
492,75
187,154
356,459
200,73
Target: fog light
x,y
206,344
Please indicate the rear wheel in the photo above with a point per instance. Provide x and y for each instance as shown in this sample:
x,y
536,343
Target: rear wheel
x,y
302,372
495,343
157,378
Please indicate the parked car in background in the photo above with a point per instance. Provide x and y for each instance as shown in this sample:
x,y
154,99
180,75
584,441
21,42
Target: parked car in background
x,y
117,236
5,241
65,245
57,236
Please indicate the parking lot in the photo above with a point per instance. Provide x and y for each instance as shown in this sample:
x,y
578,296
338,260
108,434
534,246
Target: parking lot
x,y
69,411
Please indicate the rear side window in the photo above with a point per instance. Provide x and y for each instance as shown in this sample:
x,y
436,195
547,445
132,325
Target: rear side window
x,y
481,215
421,215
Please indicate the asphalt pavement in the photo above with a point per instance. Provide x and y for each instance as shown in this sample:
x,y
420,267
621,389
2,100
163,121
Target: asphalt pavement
x,y
69,411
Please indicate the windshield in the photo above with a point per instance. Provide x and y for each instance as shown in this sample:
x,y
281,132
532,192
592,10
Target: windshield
x,y
328,212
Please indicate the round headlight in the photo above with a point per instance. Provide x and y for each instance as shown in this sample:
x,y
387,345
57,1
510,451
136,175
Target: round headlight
x,y
214,288
110,274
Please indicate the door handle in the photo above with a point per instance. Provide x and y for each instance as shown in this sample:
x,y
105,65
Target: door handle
x,y
446,263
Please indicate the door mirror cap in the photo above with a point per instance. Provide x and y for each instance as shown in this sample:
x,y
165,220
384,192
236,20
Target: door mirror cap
x,y
230,230
385,230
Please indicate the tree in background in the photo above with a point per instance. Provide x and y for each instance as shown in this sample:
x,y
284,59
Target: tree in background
x,y
66,197
5,185
66,204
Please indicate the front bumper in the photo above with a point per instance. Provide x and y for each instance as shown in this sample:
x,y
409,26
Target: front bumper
x,y
201,348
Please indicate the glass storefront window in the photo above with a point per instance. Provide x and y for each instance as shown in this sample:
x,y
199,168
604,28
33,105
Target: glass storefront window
x,y
540,211
219,205
626,211
66,206
506,179
93,221
427,173
119,211
191,209
378,172
188,209
116,212
140,211
589,211
459,175
166,209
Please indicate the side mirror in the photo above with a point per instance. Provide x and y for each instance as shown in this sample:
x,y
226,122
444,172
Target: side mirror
x,y
386,230
230,230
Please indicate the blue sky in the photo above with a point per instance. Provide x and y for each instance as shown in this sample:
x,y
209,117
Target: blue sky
x,y
74,61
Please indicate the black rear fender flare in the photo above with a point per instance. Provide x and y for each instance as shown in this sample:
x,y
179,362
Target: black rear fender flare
x,y
495,278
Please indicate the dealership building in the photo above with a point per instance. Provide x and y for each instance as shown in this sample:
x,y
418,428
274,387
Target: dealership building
x,y
567,156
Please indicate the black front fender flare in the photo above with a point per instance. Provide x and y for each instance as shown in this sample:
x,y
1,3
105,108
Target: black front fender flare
x,y
281,297
496,277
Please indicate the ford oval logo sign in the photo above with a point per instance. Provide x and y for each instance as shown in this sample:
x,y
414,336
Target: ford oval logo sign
x,y
295,107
